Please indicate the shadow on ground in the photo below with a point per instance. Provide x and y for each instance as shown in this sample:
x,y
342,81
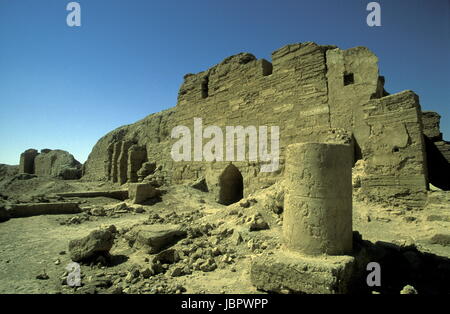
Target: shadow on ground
x,y
400,266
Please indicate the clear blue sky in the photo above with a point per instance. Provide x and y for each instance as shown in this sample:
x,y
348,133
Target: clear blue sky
x,y
63,87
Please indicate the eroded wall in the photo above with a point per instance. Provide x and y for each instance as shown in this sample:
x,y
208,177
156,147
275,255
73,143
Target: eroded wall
x,y
312,92
395,151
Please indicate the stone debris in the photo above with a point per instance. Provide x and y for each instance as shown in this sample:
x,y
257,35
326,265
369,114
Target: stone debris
x,y
257,223
97,243
200,184
139,193
154,238
441,239
42,276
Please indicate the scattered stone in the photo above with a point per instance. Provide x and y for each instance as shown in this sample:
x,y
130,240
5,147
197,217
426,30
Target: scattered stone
x,y
245,204
441,239
147,273
257,223
98,211
139,210
169,256
176,271
208,265
236,238
200,184
121,208
227,259
252,245
248,202
100,282
132,275
216,251
42,276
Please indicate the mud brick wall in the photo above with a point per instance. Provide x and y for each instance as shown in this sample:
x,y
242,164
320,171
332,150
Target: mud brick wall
x,y
27,161
312,93
395,152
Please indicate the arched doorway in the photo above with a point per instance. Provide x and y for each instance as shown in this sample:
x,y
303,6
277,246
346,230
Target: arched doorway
x,y
231,185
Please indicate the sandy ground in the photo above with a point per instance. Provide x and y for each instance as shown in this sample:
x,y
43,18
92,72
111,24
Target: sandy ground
x,y
35,245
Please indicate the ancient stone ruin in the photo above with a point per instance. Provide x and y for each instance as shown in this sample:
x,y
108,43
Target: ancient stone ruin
x,y
362,178
317,225
52,163
318,199
314,94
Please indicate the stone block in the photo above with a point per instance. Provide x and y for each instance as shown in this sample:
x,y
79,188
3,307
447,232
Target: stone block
x,y
139,193
286,271
154,238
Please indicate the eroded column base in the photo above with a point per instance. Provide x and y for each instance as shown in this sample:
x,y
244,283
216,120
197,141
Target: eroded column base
x,y
289,271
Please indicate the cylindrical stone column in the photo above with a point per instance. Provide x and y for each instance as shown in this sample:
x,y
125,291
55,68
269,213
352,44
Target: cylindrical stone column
x,y
318,200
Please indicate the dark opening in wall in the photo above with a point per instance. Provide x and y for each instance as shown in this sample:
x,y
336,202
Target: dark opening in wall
x,y
231,186
438,166
348,79
267,67
205,87
357,151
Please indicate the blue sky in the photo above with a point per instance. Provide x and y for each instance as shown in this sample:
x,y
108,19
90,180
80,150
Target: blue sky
x,y
63,87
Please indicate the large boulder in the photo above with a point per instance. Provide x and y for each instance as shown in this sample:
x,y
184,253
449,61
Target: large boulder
x,y
97,243
57,163
153,239
139,193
